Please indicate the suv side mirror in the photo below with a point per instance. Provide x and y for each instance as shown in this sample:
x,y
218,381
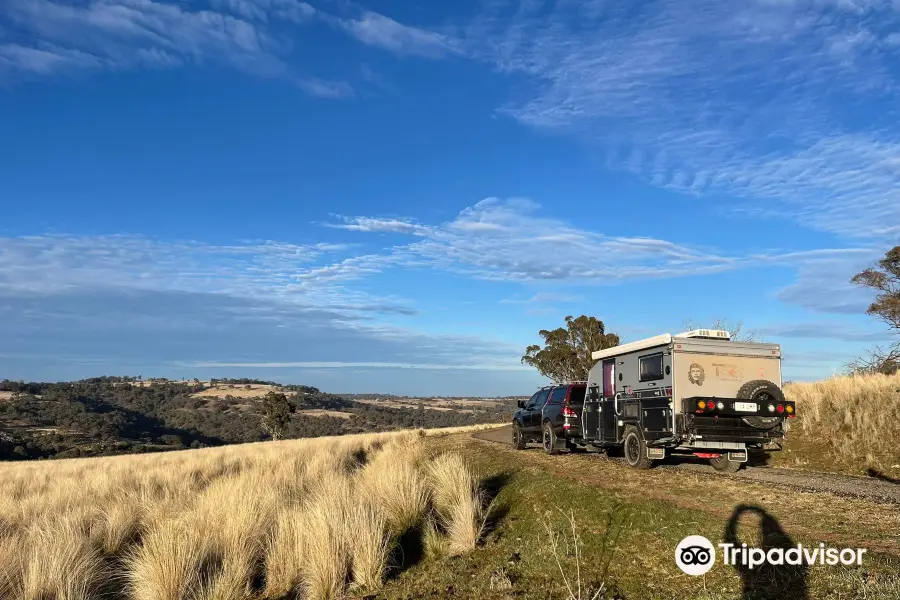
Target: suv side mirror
x,y
521,403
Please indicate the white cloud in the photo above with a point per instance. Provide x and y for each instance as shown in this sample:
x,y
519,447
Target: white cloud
x,y
381,225
542,298
293,10
492,240
137,300
45,60
60,263
833,330
129,34
366,365
242,8
788,105
823,283
325,89
248,35
117,30
377,30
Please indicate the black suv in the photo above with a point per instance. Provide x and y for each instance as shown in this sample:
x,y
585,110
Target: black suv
x,y
552,416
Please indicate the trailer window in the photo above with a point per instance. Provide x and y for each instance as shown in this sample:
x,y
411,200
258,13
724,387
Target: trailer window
x,y
651,367
609,378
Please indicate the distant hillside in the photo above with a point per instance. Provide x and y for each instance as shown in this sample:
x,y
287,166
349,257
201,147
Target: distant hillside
x,y
117,415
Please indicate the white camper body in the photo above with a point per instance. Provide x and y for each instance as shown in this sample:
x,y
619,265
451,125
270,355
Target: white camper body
x,y
687,392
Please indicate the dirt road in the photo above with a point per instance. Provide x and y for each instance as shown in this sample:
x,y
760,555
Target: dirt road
x,y
875,490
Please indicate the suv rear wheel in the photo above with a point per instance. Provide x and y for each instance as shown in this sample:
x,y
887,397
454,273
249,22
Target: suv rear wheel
x,y
518,439
549,439
635,449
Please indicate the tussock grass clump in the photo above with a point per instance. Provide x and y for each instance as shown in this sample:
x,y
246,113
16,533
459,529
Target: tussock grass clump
x,y
60,562
369,540
393,481
857,418
285,553
458,502
315,518
165,566
326,539
10,565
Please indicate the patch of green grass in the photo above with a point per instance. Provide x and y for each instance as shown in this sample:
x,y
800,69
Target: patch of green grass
x,y
628,547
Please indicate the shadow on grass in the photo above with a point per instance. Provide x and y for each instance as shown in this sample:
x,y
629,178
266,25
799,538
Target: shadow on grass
x,y
407,552
767,582
759,459
876,474
492,486
617,521
410,548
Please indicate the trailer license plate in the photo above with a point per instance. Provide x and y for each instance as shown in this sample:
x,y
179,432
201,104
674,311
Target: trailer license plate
x,y
745,406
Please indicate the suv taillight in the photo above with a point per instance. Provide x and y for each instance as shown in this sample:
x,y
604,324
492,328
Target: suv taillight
x,y
568,412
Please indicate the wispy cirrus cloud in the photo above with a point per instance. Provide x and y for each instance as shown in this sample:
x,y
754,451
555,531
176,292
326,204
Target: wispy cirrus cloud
x,y
254,36
379,225
542,298
46,60
152,302
488,240
823,283
119,33
790,106
366,365
52,263
374,29
833,330
324,88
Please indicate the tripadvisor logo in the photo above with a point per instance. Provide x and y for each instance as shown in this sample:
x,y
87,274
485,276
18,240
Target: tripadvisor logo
x,y
696,555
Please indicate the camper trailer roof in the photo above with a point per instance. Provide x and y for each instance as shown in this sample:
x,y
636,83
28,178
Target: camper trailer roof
x,y
659,340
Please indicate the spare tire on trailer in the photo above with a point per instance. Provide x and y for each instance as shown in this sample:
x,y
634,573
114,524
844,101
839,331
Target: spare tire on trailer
x,y
764,392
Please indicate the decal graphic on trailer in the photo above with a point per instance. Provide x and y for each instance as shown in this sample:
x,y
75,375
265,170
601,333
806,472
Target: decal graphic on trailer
x,y
696,374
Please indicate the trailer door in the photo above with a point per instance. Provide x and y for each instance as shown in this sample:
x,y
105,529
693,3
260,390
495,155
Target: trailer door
x,y
608,405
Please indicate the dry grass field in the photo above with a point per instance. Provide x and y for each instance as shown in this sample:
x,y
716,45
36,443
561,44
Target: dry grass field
x,y
846,423
313,518
237,390
463,405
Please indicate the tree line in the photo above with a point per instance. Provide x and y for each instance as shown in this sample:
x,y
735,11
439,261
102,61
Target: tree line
x,y
100,416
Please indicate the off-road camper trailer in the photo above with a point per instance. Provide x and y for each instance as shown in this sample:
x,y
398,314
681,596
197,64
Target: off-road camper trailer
x,y
696,392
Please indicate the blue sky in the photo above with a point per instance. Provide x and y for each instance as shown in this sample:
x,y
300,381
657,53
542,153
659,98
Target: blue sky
x,y
396,197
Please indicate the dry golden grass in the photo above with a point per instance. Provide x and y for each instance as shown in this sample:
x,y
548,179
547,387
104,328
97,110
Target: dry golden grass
x,y
458,502
315,518
321,412
856,418
235,390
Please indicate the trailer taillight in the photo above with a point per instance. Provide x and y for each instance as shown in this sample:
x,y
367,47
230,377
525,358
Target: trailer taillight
x,y
701,405
789,408
780,408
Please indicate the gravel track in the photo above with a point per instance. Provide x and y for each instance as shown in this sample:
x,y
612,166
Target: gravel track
x,y
868,488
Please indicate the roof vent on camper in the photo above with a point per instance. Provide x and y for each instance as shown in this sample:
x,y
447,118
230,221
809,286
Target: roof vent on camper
x,y
705,334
